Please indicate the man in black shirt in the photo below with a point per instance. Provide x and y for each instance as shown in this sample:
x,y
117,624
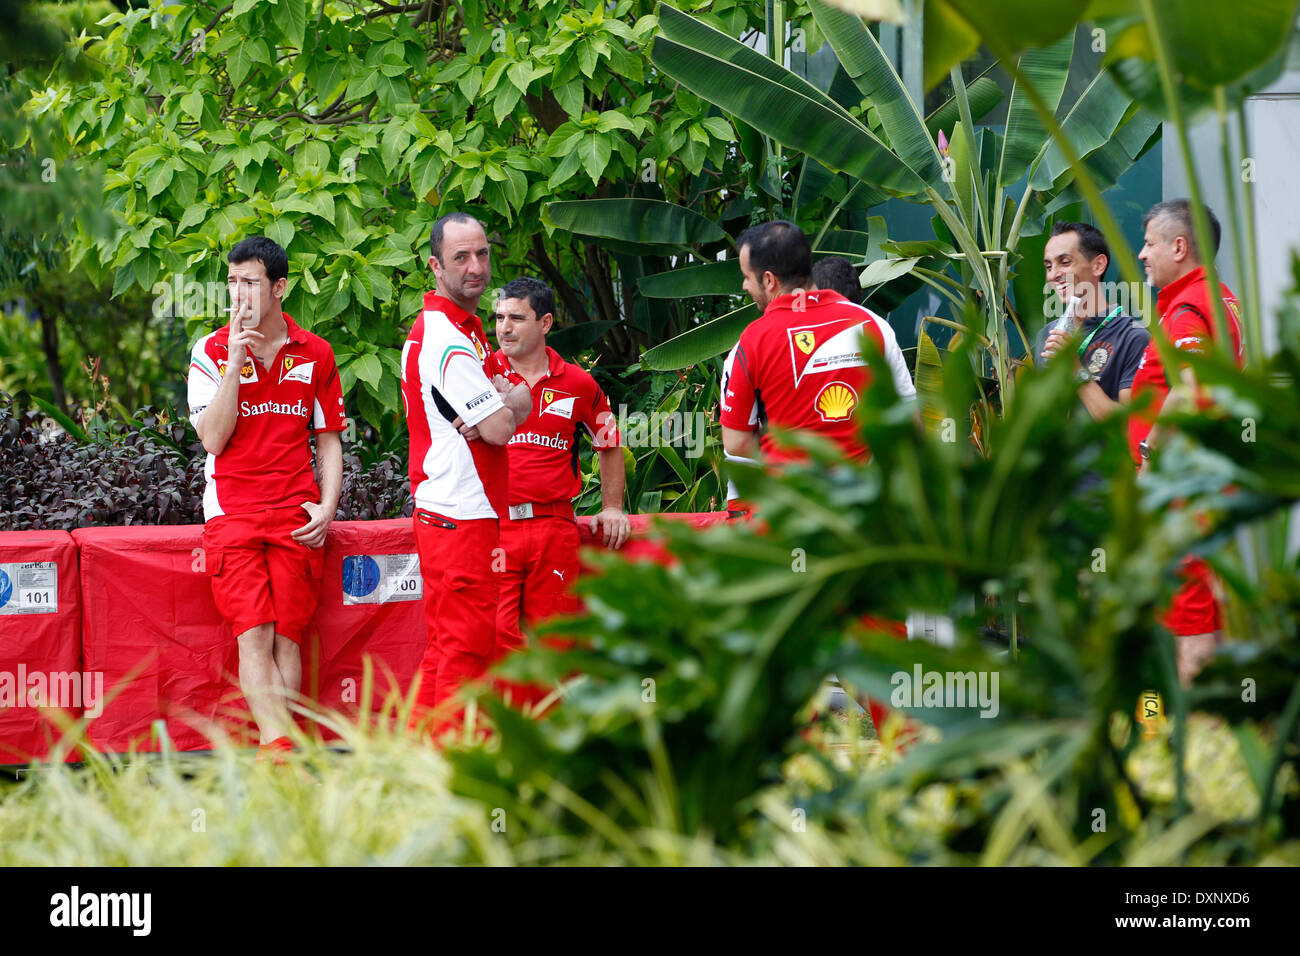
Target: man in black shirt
x,y
1107,344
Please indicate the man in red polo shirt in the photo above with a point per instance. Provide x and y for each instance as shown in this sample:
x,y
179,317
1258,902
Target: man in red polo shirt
x,y
1174,266
258,389
799,366
539,535
459,419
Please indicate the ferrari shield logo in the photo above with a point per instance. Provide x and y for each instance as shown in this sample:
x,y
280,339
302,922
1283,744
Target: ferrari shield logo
x,y
288,362
547,397
806,341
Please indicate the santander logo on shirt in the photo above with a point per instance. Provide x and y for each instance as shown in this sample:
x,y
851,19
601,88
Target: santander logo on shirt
x,y
297,409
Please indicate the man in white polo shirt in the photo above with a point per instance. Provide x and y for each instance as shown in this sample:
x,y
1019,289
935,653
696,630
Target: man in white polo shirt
x,y
459,422
259,388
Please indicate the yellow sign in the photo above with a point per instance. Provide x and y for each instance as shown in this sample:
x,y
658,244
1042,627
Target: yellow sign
x,y
806,342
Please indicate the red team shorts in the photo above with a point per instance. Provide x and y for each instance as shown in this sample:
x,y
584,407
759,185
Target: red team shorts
x,y
260,575
461,591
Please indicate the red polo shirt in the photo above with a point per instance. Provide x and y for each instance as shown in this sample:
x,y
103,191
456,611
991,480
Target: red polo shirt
x,y
268,461
544,450
800,366
1187,320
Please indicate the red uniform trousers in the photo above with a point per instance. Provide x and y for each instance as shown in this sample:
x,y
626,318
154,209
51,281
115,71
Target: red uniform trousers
x,y
541,564
460,603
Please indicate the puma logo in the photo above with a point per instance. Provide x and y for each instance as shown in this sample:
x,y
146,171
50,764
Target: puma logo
x,y
560,573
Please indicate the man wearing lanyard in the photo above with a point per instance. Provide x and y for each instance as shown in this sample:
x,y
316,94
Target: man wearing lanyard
x,y
459,421
538,533
1108,344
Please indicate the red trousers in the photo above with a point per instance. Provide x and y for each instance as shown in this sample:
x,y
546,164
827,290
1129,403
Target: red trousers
x,y
460,562
541,564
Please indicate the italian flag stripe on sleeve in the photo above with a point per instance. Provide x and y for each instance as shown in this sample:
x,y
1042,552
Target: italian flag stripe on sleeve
x,y
451,353
204,365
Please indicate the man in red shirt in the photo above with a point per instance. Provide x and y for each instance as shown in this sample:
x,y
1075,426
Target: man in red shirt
x,y
539,535
258,389
1174,266
459,419
799,366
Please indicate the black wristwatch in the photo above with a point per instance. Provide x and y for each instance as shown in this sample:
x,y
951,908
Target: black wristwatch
x,y
1144,450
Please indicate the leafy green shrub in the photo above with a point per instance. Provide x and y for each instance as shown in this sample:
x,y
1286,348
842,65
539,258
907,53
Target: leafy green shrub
x,y
146,470
694,678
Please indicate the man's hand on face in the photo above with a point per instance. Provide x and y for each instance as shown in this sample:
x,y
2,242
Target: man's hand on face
x,y
312,534
615,526
241,340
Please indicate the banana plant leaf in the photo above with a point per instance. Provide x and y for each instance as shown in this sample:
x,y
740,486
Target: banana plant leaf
x,y
861,56
745,84
701,343
649,223
711,278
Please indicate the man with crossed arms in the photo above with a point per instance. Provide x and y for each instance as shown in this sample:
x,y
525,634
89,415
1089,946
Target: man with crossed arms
x,y
459,421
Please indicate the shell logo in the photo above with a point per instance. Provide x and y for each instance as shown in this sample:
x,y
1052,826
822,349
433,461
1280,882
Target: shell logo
x,y
836,402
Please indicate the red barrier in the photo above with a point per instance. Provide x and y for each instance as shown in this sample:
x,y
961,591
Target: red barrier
x,y
40,642
137,608
372,604
148,622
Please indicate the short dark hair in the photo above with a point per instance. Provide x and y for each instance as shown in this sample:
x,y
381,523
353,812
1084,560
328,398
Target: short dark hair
x,y
269,252
779,247
538,293
1179,213
837,273
435,234
1091,242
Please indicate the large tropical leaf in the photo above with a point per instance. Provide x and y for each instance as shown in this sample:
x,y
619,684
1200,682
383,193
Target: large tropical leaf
x,y
984,94
844,242
809,122
648,222
1210,42
867,65
1091,123
1017,25
693,34
711,278
702,342
1045,70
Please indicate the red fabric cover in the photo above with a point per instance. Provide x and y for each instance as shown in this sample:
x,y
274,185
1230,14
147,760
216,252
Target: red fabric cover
x,y
149,623
137,605
341,634
41,643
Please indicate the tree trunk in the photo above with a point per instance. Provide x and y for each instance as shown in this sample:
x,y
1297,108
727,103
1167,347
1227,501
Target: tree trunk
x,y
50,344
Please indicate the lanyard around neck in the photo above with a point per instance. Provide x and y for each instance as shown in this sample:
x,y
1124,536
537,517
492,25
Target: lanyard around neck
x,y
1100,325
